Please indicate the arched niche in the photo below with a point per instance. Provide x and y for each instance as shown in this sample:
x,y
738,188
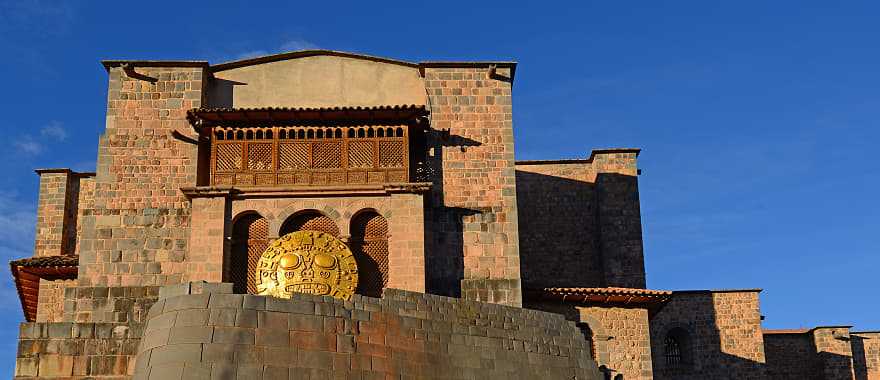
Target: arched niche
x,y
369,243
250,232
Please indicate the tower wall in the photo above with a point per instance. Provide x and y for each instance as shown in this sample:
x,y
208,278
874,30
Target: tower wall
x,y
138,228
472,211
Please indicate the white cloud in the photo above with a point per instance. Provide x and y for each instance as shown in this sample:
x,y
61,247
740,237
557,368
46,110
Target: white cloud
x,y
54,130
27,145
251,54
297,44
17,220
289,45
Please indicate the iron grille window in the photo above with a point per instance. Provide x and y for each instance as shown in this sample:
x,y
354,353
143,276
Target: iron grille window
x,y
673,352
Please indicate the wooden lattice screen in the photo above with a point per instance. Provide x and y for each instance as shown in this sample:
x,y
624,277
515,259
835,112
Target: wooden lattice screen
x,y
369,243
249,240
274,156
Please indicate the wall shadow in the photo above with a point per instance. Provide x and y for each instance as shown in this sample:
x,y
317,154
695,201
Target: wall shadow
x,y
558,239
444,225
221,93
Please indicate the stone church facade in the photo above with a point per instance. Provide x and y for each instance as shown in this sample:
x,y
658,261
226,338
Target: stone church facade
x,y
472,264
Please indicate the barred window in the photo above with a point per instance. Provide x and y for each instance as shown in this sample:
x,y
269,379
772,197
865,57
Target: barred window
x,y
676,348
673,352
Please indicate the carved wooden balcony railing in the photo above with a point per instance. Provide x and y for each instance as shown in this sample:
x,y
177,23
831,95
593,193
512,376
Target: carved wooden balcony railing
x,y
278,156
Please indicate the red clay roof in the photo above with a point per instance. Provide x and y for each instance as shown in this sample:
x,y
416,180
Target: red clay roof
x,y
607,295
785,331
27,273
305,115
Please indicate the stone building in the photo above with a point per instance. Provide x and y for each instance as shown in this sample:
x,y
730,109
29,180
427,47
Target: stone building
x,y
472,264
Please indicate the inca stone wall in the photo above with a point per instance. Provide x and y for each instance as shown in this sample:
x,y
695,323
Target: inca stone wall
x,y
139,222
108,304
723,338
403,335
472,214
64,350
50,306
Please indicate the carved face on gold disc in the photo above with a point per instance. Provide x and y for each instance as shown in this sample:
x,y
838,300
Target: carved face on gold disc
x,y
308,262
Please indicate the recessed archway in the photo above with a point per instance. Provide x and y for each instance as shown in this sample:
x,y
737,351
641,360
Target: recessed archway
x,y
250,233
369,243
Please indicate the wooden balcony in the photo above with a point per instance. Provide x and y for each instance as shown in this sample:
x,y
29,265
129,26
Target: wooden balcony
x,y
312,155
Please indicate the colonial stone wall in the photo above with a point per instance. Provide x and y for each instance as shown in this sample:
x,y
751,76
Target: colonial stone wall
x,y
619,336
341,81
819,353
85,204
834,350
623,335
721,336
557,220
139,223
619,218
403,211
402,335
866,355
474,246
57,211
580,224
791,355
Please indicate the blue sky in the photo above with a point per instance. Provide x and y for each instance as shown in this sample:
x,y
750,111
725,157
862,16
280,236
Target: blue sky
x,y
757,119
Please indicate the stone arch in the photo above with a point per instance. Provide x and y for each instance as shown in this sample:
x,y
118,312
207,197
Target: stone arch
x,y
309,219
369,243
250,238
351,209
283,216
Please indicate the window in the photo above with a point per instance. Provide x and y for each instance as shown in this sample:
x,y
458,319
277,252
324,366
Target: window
x,y
676,349
673,352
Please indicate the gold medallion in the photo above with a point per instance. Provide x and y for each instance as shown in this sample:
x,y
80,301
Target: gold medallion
x,y
308,262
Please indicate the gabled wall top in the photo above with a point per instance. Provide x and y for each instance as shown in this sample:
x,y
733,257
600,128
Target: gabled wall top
x,y
317,79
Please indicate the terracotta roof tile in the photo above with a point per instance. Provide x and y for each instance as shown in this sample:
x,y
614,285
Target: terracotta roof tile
x,y
306,115
603,296
28,272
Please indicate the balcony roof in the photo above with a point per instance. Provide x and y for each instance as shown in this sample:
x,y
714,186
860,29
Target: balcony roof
x,y
27,273
231,117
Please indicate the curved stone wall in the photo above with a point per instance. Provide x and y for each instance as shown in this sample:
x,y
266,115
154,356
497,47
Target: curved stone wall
x,y
404,335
